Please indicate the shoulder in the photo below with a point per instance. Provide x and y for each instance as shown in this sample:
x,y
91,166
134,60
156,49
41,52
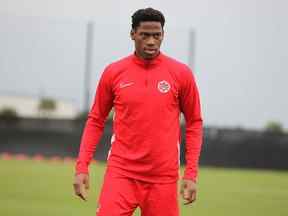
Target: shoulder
x,y
114,68
181,71
174,62
119,64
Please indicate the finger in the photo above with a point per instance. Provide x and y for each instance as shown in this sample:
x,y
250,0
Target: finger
x,y
82,196
76,188
188,202
78,191
87,185
181,190
194,196
187,195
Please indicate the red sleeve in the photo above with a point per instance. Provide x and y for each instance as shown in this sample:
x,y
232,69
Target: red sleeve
x,y
94,126
191,108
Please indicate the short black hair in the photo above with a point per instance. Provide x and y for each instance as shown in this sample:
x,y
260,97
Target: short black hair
x,y
146,15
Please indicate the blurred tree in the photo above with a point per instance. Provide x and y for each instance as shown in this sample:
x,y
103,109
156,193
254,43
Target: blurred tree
x,y
274,127
8,115
46,107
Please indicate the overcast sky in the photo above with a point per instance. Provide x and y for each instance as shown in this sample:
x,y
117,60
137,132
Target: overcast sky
x,y
241,60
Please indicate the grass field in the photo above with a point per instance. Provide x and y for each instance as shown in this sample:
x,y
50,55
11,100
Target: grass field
x,y
30,188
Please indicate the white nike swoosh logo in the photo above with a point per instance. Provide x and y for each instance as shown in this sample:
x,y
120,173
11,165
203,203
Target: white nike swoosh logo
x,y
123,85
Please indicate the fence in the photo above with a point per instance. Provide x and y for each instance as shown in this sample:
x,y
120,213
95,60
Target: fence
x,y
221,147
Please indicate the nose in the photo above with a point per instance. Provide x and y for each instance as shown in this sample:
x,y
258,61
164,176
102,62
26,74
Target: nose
x,y
151,41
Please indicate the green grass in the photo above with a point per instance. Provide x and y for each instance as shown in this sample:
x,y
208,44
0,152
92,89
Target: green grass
x,y
30,188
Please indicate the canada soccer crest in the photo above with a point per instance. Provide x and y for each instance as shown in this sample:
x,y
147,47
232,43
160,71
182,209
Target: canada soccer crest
x,y
163,86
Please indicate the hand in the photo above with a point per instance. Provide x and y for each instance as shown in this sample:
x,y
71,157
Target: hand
x,y
81,183
188,191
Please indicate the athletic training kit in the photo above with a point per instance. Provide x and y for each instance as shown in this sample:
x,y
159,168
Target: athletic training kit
x,y
148,97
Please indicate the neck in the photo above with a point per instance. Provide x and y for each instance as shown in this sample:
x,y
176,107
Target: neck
x,y
145,62
146,59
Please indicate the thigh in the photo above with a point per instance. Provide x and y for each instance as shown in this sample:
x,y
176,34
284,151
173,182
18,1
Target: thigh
x,y
117,197
162,200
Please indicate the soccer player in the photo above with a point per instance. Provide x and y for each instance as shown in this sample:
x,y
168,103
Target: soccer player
x,y
148,91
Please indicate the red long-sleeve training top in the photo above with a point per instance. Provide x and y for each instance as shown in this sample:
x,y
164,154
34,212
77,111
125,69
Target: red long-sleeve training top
x,y
148,97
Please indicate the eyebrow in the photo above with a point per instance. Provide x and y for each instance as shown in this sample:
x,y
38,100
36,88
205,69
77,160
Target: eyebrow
x,y
150,33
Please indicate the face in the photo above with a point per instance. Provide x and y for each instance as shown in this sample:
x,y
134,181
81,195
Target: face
x,y
147,37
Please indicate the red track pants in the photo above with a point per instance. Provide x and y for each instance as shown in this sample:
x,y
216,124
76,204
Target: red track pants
x,y
120,196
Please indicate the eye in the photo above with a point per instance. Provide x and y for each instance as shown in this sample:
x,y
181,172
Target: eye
x,y
144,34
157,35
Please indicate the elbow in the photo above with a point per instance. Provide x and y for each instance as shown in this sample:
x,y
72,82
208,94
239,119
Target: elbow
x,y
195,122
95,121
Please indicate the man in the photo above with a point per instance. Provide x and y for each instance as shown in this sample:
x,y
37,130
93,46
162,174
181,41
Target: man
x,y
148,91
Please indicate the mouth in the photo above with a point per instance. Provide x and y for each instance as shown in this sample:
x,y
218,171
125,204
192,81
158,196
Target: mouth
x,y
150,51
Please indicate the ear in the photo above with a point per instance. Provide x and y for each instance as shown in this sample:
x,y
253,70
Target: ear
x,y
163,33
132,34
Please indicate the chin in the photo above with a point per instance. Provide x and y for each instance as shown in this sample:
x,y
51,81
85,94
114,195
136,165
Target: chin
x,y
150,56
